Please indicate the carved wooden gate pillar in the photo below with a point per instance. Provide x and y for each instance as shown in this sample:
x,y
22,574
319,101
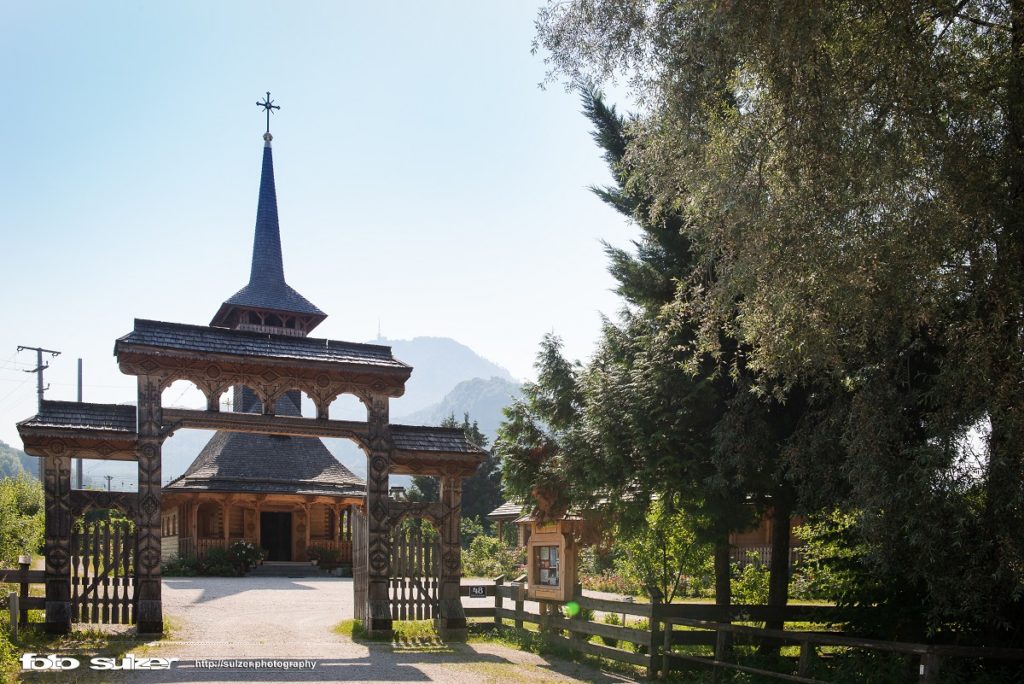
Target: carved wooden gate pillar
x,y
149,610
378,519
57,485
452,622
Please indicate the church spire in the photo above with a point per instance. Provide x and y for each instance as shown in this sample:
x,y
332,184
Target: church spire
x,y
267,263
268,303
266,247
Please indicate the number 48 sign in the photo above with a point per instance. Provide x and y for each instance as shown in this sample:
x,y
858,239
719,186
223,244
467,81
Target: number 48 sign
x,y
477,592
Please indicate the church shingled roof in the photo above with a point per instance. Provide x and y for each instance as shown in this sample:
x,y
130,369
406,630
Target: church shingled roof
x,y
242,462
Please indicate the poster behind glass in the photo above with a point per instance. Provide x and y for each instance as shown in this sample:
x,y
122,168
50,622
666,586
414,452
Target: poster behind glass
x,y
547,565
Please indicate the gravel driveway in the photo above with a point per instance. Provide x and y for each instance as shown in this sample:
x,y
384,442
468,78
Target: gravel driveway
x,y
285,618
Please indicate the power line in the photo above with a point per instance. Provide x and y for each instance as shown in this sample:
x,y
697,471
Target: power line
x,y
23,382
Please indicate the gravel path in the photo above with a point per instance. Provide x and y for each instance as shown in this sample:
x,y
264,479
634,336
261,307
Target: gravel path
x,y
284,618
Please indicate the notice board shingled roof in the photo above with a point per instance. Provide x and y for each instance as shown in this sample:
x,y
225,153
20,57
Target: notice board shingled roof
x,y
437,439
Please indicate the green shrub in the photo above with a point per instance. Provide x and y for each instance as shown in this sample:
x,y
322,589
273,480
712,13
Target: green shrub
x,y
469,529
830,557
9,653
217,563
187,566
750,584
643,625
611,619
594,560
661,550
326,557
21,518
243,555
490,557
584,614
234,562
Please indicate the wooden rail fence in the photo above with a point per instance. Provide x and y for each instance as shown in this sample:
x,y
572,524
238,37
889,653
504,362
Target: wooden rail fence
x,y
702,625
19,603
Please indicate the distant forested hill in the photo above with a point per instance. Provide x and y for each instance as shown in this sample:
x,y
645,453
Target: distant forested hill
x,y
439,364
13,461
482,399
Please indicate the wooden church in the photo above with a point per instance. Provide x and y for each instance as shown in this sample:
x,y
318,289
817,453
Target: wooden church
x,y
284,494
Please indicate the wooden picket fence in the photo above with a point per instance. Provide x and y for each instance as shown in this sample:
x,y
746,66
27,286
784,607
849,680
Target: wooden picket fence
x,y
415,575
102,569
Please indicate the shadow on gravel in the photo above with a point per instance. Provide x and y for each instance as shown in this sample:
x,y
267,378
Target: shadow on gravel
x,y
381,664
232,586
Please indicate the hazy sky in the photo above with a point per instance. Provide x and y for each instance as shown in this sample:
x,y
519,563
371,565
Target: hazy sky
x,y
423,178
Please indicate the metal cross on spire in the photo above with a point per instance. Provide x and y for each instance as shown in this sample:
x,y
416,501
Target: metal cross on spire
x,y
268,105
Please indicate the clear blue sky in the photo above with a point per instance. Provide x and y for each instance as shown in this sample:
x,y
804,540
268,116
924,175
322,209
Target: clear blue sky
x,y
423,178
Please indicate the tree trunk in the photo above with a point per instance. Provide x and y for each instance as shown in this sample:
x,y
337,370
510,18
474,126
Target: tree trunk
x,y
723,585
723,582
778,578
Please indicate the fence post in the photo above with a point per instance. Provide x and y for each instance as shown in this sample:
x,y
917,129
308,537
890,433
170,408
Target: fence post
x,y
654,641
721,648
498,582
520,593
666,647
24,562
577,637
931,663
807,654
12,605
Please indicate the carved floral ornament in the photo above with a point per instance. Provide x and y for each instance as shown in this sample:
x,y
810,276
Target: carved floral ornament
x,y
268,383
43,442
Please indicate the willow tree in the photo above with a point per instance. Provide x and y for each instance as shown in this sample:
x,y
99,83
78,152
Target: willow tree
x,y
852,174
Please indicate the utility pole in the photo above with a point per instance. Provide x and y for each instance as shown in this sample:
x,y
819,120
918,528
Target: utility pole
x,y
38,370
78,462
40,367
109,478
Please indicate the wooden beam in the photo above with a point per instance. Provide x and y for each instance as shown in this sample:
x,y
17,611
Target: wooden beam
x,y
265,425
83,500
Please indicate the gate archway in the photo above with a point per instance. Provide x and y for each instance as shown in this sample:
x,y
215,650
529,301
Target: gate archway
x,y
257,340
215,359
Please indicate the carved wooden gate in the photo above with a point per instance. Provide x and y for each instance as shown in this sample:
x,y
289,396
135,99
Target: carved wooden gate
x,y
360,539
102,570
415,573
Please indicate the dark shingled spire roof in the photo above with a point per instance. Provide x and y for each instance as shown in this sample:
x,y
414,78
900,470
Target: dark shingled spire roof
x,y
241,462
267,289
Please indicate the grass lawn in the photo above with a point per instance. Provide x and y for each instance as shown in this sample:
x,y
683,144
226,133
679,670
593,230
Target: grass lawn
x,y
80,643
